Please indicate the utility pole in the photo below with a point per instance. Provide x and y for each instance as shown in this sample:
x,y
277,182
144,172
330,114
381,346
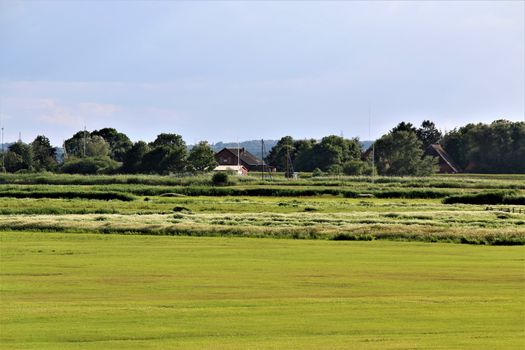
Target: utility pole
x,y
65,150
3,151
262,158
238,157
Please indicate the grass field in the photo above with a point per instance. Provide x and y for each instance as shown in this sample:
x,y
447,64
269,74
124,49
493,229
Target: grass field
x,y
343,208
157,262
86,291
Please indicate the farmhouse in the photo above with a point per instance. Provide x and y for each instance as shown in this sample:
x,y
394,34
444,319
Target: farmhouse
x,y
446,163
228,156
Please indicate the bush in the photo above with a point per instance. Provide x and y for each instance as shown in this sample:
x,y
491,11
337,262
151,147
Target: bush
x,y
179,209
317,172
358,168
90,166
220,179
335,169
354,167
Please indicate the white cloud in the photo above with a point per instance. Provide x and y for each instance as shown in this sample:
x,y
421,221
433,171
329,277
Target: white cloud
x,y
98,109
74,115
54,113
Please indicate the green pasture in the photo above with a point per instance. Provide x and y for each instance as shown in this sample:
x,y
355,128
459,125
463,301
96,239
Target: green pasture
x,y
93,291
342,208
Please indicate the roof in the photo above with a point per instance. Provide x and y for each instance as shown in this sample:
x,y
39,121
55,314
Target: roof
x,y
437,150
244,155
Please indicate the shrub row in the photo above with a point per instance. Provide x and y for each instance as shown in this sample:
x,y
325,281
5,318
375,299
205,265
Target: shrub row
x,y
400,193
257,191
505,240
76,179
502,197
69,195
121,191
283,191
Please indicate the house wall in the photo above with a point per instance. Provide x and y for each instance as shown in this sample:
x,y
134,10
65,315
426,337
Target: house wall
x,y
226,157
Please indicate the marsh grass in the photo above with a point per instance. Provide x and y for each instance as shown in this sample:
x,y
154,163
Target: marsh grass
x,y
473,228
312,209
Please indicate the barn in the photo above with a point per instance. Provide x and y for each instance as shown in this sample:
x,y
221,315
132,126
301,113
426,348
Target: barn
x,y
240,156
446,163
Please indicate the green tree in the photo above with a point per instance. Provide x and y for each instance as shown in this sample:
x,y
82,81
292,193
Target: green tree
x,y
202,157
173,141
97,147
13,162
331,153
153,160
404,127
19,157
498,147
74,146
428,134
119,143
83,144
44,155
168,154
399,153
279,153
303,160
164,159
134,157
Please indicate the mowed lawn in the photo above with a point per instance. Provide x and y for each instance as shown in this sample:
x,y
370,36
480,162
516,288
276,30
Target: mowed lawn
x,y
94,291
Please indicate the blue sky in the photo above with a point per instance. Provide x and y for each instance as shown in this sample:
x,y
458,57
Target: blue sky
x,y
223,71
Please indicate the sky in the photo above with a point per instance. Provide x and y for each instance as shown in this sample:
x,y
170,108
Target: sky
x,y
241,70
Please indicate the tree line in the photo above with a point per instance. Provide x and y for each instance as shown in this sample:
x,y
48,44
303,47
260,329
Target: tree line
x,y
498,147
108,151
